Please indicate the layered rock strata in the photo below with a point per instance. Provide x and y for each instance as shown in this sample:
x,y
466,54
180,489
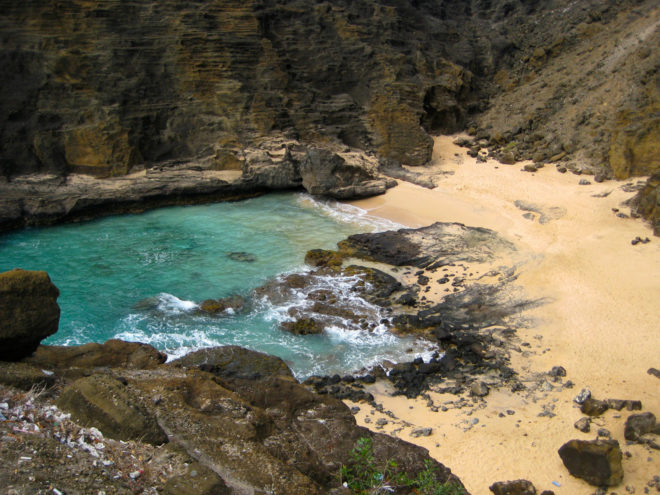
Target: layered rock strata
x,y
275,163
108,88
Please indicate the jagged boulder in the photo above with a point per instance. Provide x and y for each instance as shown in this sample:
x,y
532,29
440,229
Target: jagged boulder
x,y
111,406
638,425
327,173
598,462
28,312
236,362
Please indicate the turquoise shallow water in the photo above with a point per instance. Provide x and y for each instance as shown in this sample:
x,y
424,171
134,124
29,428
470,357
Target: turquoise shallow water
x,y
139,277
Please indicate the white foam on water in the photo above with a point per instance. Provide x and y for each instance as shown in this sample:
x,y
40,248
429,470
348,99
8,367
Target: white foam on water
x,y
347,213
168,303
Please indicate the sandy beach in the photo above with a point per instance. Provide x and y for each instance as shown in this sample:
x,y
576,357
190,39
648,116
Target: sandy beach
x,y
600,321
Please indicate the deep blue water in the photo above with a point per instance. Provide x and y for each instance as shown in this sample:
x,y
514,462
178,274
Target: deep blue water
x,y
140,277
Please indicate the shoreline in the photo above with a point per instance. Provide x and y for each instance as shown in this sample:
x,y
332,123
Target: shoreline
x,y
598,322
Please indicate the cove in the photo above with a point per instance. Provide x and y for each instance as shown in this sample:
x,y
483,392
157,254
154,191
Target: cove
x,y
141,278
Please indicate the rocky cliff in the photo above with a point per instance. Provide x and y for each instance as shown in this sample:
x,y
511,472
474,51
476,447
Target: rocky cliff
x,y
107,87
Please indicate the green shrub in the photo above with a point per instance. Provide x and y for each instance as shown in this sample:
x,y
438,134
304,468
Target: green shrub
x,y
365,477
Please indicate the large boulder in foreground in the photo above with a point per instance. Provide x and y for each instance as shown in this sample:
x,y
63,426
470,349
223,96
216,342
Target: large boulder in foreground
x,y
111,406
28,312
598,462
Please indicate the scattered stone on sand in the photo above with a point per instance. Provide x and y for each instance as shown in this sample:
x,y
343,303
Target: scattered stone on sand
x,y
598,462
28,312
640,424
479,389
583,424
421,432
517,487
654,372
593,407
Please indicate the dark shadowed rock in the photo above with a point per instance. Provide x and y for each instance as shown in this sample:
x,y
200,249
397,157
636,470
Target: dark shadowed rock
x,y
437,245
594,407
638,425
234,361
302,326
647,202
107,404
598,462
28,311
583,424
517,487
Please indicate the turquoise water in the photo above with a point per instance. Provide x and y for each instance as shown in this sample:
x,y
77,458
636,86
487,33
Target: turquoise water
x,y
140,277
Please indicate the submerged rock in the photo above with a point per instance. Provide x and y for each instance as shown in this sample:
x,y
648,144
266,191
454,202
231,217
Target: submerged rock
x,y
242,256
28,311
598,462
223,305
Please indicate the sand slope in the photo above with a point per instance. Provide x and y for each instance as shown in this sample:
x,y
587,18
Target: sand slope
x,y
601,321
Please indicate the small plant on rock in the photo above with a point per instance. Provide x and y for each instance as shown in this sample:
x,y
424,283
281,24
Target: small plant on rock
x,y
364,476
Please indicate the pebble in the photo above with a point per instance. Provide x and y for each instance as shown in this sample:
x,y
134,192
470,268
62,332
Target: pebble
x,y
421,432
584,394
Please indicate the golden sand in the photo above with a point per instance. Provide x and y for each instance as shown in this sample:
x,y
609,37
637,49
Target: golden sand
x,y
601,321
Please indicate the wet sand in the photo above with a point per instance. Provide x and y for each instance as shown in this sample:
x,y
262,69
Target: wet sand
x,y
601,321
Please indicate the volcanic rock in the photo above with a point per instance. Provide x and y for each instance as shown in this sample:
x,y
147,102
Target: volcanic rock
x,y
326,173
638,425
216,306
75,361
583,424
114,408
302,326
598,462
594,407
517,487
235,362
28,311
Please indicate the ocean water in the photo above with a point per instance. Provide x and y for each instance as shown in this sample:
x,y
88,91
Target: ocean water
x,y
141,278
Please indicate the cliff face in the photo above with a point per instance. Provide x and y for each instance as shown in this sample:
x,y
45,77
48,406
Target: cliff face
x,y
99,87
106,86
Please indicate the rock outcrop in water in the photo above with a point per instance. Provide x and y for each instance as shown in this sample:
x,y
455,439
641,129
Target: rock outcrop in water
x,y
237,416
28,312
243,419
